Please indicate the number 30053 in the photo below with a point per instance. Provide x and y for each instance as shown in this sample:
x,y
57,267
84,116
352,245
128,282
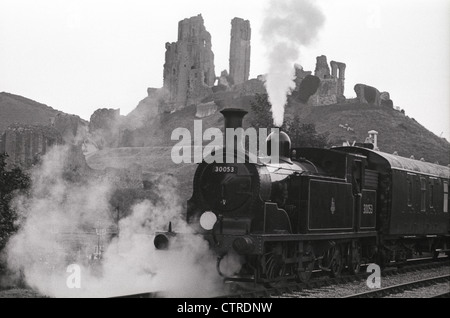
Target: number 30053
x,y
225,169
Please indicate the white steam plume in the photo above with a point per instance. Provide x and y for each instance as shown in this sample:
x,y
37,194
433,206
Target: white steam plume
x,y
131,264
288,25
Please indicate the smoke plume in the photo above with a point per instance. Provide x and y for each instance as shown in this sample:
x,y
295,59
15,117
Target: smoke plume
x,y
288,25
57,219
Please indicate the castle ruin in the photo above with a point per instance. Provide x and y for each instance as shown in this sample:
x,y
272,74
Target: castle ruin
x,y
240,51
331,87
189,64
189,73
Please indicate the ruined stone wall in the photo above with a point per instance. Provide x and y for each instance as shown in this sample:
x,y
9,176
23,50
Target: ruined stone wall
x,y
370,95
240,50
322,70
206,109
189,64
385,100
104,118
250,87
326,93
71,127
338,72
104,127
224,81
24,144
300,75
331,88
367,94
306,84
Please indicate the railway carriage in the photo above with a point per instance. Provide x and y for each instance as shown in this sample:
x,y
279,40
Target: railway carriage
x,y
413,202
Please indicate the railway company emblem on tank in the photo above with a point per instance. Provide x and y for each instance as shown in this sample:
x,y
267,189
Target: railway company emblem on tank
x,y
333,206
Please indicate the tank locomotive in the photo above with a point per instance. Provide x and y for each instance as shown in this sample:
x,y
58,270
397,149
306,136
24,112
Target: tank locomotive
x,y
317,208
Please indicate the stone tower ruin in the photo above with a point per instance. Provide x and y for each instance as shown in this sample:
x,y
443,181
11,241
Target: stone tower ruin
x,y
240,50
331,88
189,64
335,67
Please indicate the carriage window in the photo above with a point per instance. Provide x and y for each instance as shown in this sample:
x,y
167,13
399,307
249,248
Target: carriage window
x,y
410,190
423,194
445,196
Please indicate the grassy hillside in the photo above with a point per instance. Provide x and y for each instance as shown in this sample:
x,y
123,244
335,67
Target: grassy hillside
x,y
153,161
396,132
18,109
155,157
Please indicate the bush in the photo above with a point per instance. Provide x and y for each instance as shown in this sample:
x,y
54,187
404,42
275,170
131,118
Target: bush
x,y
302,135
11,182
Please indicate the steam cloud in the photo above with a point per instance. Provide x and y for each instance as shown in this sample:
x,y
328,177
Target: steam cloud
x,y
131,264
288,25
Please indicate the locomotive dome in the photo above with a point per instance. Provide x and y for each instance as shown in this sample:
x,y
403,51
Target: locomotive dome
x,y
284,145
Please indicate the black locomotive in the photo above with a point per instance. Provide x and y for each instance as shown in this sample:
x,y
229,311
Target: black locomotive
x,y
318,208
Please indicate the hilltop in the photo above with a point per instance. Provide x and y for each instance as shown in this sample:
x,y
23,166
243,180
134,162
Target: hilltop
x,y
397,132
28,128
18,109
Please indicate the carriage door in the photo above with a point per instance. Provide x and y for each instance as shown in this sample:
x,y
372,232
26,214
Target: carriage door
x,y
367,219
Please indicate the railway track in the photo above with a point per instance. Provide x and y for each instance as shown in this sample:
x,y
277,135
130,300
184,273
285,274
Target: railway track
x,y
400,288
248,290
443,295
304,289
141,295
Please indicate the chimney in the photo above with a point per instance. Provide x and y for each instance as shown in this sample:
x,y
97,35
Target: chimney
x,y
233,119
373,134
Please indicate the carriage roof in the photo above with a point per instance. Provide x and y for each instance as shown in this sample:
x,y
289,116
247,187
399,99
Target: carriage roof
x,y
400,163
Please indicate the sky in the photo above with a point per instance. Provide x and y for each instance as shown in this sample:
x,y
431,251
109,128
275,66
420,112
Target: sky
x,y
81,55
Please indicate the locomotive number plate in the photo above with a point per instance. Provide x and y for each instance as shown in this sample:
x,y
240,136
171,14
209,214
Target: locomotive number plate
x,y
224,169
367,209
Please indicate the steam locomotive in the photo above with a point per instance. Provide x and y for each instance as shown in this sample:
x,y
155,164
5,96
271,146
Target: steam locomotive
x,y
317,208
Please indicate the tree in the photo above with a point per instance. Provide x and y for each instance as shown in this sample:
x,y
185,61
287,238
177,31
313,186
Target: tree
x,y
302,135
262,112
11,182
305,135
